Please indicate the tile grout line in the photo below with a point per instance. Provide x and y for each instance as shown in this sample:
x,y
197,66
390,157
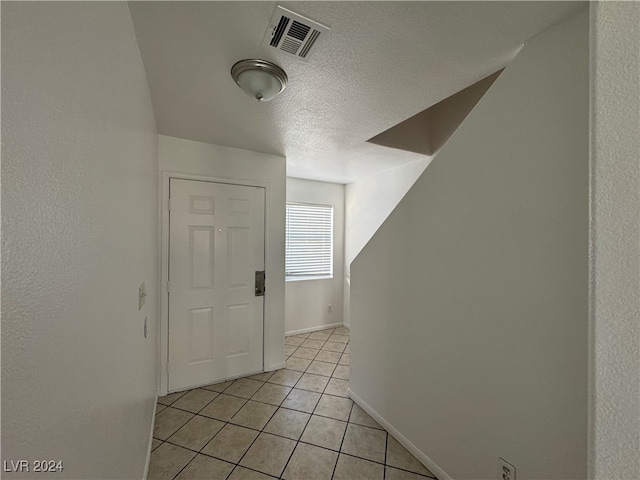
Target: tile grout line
x,y
270,418
308,420
251,398
246,400
384,464
310,415
342,442
188,463
297,441
296,447
226,422
343,434
174,401
207,442
386,446
254,441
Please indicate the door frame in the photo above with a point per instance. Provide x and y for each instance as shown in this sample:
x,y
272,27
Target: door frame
x,y
163,294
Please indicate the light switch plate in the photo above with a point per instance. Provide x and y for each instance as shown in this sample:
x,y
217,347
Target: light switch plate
x,y
142,296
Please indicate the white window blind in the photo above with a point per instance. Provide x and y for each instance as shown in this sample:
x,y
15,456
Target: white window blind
x,y
309,241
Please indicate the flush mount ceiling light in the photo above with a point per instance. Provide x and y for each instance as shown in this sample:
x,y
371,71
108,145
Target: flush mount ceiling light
x,y
259,79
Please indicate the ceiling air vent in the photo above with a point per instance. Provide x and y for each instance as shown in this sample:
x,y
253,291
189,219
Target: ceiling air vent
x,y
293,33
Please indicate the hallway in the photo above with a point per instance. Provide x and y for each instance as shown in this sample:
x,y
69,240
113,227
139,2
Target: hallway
x,y
296,424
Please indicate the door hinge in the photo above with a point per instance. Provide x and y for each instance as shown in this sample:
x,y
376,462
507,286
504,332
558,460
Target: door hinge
x,y
169,204
168,286
167,368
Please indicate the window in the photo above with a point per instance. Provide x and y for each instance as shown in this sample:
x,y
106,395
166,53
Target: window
x,y
309,241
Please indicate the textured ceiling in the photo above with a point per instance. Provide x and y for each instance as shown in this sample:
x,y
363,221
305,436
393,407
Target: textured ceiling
x,y
381,63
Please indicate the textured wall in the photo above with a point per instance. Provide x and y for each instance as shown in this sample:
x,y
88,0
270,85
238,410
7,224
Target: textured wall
x,y
307,300
368,202
473,294
79,235
615,150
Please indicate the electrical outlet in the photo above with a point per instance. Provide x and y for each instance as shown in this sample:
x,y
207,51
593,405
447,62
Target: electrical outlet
x,y
506,471
329,308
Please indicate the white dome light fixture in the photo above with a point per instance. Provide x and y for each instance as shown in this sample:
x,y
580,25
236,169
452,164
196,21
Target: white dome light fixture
x,y
259,79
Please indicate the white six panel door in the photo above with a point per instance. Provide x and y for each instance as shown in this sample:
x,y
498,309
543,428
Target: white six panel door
x,y
216,244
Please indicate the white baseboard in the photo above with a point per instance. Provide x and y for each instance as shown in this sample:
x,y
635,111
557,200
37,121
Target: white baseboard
x,y
153,424
313,329
424,459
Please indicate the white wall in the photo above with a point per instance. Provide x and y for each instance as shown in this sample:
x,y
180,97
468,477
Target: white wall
x,y
615,236
368,202
236,165
307,300
473,295
79,235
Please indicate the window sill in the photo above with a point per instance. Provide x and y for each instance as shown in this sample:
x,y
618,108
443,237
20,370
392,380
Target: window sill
x,y
299,279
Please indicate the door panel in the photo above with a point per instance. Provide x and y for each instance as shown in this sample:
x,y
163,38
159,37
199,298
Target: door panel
x,y
216,243
238,330
201,245
238,260
200,332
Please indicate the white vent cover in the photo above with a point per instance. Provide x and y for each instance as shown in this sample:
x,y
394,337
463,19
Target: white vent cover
x,y
292,33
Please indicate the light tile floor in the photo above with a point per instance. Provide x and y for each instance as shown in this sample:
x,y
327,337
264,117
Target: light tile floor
x,y
294,424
